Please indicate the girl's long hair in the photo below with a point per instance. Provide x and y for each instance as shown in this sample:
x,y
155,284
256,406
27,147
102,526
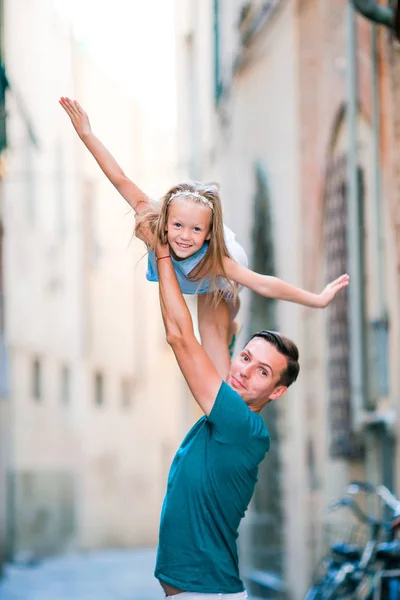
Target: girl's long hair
x,y
211,265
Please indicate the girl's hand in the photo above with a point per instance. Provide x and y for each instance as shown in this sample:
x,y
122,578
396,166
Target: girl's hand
x,y
328,294
79,118
162,249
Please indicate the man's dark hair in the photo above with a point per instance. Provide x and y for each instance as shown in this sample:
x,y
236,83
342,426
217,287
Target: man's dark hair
x,y
285,347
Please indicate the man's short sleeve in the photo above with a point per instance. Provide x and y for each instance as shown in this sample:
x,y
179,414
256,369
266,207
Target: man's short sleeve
x,y
232,419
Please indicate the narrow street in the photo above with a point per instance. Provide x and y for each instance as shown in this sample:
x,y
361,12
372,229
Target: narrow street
x,y
107,575
112,575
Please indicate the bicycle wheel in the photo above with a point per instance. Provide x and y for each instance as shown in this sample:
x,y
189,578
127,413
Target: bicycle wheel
x,y
394,589
312,593
390,589
330,587
339,592
340,587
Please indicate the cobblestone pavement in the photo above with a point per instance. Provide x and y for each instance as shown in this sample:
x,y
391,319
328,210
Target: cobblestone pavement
x,y
111,575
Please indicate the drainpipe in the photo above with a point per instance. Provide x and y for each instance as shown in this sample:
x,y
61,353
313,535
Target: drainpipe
x,y
354,231
380,324
379,437
379,445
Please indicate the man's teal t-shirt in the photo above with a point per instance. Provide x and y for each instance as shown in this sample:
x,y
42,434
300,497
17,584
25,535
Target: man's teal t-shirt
x,y
210,484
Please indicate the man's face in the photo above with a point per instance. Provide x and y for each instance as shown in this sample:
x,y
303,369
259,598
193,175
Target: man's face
x,y
255,373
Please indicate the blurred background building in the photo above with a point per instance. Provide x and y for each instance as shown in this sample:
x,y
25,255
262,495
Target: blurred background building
x,y
292,105
92,403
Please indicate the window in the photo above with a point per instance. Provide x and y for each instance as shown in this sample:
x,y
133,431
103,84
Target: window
x,y
343,442
126,393
267,525
3,115
253,16
99,389
4,84
36,379
3,345
192,105
218,88
30,180
59,189
65,384
92,249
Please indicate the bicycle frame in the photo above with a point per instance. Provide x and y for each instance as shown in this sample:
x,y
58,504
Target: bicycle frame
x,y
379,578
348,576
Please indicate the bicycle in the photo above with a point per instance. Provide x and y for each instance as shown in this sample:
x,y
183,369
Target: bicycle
x,y
371,573
346,564
387,577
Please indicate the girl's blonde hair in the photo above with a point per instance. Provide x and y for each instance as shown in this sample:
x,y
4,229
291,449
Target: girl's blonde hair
x,y
211,265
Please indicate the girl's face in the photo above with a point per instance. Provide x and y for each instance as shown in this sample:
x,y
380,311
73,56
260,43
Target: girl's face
x,y
188,226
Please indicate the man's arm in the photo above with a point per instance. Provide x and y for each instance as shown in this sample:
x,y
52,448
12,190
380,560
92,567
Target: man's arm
x,y
201,375
107,163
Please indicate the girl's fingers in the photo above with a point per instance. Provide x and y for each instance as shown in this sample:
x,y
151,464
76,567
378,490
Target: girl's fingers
x,y
339,286
339,283
336,285
72,106
342,280
78,106
73,109
65,104
77,111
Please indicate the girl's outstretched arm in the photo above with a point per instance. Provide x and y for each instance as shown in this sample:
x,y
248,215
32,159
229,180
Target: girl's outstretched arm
x,y
272,287
107,163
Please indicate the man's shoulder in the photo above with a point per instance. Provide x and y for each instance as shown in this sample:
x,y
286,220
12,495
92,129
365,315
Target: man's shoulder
x,y
234,419
226,395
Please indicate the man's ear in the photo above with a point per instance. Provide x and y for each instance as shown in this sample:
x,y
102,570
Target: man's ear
x,y
278,392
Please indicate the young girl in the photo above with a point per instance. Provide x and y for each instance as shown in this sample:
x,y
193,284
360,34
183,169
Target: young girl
x,y
208,260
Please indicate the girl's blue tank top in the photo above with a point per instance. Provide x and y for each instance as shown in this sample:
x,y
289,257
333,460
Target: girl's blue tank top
x,y
185,266
182,270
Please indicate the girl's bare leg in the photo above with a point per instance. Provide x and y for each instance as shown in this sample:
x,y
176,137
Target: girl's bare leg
x,y
216,327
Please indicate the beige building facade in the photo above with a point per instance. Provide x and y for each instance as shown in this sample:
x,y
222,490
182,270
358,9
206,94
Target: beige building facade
x,y
95,404
263,92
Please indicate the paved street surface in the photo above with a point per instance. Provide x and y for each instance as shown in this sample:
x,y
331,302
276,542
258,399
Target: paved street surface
x,y
111,575
107,575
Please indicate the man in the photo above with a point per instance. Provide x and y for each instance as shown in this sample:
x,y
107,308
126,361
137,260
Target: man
x,y
214,472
